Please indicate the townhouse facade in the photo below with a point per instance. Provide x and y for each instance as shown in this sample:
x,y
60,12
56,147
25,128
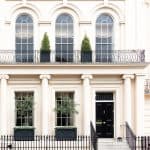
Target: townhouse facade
x,y
108,89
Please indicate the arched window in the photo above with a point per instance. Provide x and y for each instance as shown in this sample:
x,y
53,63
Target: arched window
x,y
64,38
104,38
24,38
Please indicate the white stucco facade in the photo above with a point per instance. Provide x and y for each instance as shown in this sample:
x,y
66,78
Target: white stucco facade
x,y
125,81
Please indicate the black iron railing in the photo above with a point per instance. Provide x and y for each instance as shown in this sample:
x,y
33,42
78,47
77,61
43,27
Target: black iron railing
x,y
143,143
130,137
35,56
93,137
45,143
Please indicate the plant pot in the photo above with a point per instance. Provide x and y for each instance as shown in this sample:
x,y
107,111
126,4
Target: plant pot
x,y
45,56
64,133
24,134
86,56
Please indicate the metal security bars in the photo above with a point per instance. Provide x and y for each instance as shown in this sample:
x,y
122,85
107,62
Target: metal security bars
x,y
45,143
112,57
143,143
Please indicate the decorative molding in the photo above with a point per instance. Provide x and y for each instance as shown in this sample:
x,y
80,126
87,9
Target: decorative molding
x,y
125,76
84,76
65,82
24,81
44,22
44,0
7,22
122,22
4,76
85,0
85,22
106,81
45,76
140,74
13,0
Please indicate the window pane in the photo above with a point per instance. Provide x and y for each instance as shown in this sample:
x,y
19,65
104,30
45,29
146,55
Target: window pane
x,y
64,34
70,40
18,47
24,108
104,37
64,40
64,117
24,37
58,39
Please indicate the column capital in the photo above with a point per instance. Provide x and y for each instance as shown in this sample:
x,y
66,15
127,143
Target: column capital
x,y
84,76
45,76
4,76
125,76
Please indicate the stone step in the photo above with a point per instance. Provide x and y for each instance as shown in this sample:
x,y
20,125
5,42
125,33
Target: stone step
x,y
112,145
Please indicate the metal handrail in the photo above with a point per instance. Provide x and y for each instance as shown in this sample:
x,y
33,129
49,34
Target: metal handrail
x,y
130,137
93,136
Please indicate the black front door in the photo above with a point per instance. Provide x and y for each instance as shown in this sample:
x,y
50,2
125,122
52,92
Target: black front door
x,y
105,118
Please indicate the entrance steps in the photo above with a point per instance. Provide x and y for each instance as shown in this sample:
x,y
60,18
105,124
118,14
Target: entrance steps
x,y
112,144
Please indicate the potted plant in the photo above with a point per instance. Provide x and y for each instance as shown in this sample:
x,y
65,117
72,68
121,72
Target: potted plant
x,y
65,108
25,130
45,49
86,52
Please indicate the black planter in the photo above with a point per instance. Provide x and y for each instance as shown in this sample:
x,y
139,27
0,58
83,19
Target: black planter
x,y
86,56
24,134
45,56
66,133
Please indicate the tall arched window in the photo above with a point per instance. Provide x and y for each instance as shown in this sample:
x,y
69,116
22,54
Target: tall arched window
x,y
64,38
104,38
24,38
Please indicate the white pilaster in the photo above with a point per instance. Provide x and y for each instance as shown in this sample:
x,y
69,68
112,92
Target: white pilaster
x,y
122,35
3,104
128,98
139,113
86,103
45,104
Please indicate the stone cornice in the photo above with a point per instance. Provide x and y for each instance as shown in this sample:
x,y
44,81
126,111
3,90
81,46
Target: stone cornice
x,y
73,69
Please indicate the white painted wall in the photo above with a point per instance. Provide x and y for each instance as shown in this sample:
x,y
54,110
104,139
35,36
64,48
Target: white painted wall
x,y
132,30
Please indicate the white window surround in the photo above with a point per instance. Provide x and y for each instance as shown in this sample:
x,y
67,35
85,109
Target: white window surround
x,y
53,17
118,21
36,109
12,24
77,117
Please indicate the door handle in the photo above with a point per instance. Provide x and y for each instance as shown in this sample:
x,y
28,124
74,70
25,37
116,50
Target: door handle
x,y
99,122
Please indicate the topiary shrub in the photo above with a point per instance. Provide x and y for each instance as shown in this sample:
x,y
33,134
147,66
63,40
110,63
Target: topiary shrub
x,y
85,46
86,51
45,49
